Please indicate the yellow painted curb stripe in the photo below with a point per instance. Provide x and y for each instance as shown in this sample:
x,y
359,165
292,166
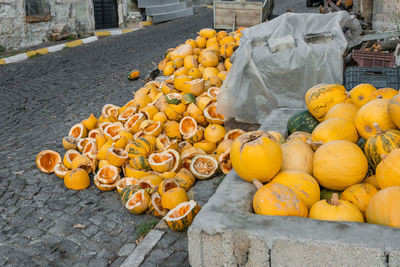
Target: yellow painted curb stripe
x,y
128,30
2,61
146,23
74,43
103,33
30,53
42,51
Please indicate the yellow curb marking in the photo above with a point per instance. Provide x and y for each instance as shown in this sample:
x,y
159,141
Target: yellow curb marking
x,y
103,33
128,30
74,43
146,23
30,53
2,61
42,51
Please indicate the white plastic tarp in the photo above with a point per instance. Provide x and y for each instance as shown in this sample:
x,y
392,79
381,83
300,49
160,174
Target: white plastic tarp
x,y
276,64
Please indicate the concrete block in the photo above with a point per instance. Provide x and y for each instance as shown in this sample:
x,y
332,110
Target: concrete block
x,y
394,259
293,253
172,15
154,10
145,3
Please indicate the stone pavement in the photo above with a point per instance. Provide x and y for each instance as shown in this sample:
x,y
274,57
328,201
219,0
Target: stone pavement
x,y
41,99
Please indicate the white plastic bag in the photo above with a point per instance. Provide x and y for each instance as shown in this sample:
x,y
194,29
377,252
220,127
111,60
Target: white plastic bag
x,y
262,79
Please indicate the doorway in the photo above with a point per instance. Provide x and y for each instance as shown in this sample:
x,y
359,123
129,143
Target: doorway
x,y
105,14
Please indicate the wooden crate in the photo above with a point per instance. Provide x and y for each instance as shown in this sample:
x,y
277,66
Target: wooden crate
x,y
236,14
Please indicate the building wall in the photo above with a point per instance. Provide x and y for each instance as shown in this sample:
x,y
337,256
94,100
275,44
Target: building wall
x,y
386,15
15,31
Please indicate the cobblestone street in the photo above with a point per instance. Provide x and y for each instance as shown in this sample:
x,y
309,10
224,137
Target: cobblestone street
x,y
41,99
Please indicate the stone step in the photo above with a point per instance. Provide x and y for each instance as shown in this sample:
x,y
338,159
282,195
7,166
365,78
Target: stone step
x,y
172,15
146,3
154,10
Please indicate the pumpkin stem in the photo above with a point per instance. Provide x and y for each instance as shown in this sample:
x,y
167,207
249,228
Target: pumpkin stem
x,y
334,200
257,184
379,130
379,97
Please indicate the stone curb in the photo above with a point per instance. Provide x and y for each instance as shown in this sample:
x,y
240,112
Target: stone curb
x,y
143,249
55,48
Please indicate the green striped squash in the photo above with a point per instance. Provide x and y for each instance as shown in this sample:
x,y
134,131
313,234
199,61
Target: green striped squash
x,y
302,121
181,217
127,192
139,163
139,147
381,143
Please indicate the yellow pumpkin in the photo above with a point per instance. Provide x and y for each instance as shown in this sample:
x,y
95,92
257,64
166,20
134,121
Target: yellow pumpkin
x,y
335,129
388,170
298,136
387,93
90,123
277,199
155,206
171,129
77,179
297,156
375,111
173,197
384,208
161,162
394,110
381,144
139,202
182,51
320,98
359,195
47,160
361,93
278,136
339,164
181,217
139,147
303,184
335,210
185,179
256,155
214,133
372,181
207,33
346,111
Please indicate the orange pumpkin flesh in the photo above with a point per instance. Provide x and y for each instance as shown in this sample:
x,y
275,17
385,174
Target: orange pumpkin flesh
x,y
46,160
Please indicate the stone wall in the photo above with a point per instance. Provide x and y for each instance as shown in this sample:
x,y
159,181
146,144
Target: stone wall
x,y
16,32
386,15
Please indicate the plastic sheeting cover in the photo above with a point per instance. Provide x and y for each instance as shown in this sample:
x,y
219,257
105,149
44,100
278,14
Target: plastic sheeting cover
x,y
260,81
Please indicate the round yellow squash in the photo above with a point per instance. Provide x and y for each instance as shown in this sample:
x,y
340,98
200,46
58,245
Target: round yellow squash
x,y
372,181
335,210
394,110
346,111
361,93
297,156
388,170
375,111
335,129
174,197
384,208
320,98
256,155
339,164
359,195
277,199
303,184
387,93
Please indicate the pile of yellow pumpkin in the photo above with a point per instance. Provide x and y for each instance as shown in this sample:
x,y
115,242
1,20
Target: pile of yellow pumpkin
x,y
153,148
351,159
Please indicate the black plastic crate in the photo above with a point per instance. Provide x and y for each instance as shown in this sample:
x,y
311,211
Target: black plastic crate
x,y
378,77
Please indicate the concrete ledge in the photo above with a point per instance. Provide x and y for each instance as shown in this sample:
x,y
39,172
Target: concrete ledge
x,y
227,233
